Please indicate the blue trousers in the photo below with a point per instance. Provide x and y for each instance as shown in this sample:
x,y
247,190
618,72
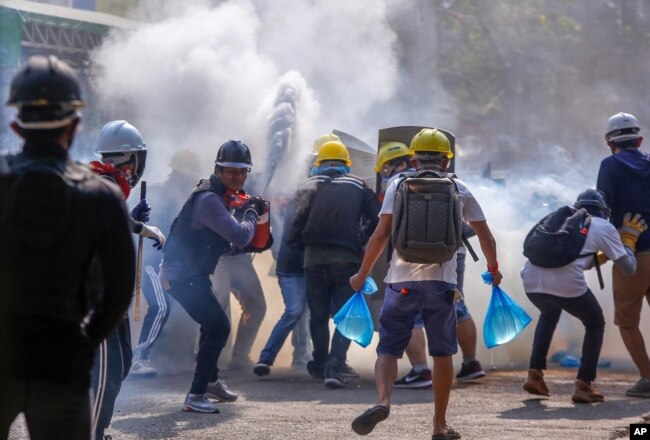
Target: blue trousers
x,y
112,364
294,294
195,295
157,312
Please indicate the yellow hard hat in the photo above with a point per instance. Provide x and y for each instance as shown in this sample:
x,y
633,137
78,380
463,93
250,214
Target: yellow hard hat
x,y
186,161
390,151
322,139
333,150
431,140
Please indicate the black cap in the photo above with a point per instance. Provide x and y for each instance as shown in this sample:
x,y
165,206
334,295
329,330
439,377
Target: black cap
x,y
46,92
234,154
591,197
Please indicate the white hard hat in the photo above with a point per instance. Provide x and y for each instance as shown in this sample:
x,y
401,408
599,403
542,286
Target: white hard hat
x,y
119,143
621,127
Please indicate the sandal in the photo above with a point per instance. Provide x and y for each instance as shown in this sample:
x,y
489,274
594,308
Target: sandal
x,y
366,422
449,434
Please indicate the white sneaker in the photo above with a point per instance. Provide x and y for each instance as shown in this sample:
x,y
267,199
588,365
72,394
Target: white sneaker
x,y
199,403
142,369
220,392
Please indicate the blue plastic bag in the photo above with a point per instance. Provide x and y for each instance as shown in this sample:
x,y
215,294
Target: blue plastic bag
x,y
504,320
354,320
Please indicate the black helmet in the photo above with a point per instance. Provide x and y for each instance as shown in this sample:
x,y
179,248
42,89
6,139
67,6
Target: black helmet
x,y
234,154
591,197
46,93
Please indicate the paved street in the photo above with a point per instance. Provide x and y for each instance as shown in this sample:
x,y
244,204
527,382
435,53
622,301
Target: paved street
x,y
290,405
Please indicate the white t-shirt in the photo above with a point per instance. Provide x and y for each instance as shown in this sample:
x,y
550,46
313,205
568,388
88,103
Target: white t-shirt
x,y
400,270
569,281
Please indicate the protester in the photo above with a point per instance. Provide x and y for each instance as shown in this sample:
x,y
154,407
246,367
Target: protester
x,y
395,160
203,231
555,289
123,160
624,178
330,206
64,232
428,289
167,197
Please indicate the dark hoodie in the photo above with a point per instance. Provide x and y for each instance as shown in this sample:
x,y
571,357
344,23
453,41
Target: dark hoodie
x,y
624,178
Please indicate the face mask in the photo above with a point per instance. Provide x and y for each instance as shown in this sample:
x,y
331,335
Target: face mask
x,y
384,183
323,169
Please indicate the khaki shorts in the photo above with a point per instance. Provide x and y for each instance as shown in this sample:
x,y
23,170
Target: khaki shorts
x,y
629,293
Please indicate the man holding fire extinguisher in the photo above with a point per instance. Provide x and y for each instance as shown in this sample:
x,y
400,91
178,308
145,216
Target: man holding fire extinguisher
x,y
204,230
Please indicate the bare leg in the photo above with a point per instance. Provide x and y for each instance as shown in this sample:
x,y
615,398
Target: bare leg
x,y
467,338
635,345
443,377
416,350
385,376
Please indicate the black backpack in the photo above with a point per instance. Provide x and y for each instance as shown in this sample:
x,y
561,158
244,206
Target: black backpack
x,y
558,239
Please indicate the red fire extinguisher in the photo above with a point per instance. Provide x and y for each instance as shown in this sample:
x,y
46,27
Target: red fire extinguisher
x,y
263,230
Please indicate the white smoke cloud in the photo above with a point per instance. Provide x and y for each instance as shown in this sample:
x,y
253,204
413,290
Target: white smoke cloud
x,y
190,81
194,74
345,50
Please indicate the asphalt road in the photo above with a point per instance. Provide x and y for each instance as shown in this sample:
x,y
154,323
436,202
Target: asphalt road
x,y
289,404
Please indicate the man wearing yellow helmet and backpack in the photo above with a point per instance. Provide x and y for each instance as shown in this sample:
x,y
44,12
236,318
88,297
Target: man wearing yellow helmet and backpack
x,y
394,160
329,208
422,278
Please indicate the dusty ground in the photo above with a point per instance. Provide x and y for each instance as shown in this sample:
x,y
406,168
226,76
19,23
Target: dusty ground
x,y
288,404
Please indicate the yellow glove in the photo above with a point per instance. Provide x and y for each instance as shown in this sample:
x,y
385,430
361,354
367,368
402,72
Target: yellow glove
x,y
633,227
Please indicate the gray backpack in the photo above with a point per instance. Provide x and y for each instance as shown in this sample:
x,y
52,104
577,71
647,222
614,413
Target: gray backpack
x,y
427,224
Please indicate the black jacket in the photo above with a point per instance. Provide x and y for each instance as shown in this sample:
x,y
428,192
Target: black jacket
x,y
196,250
334,209
289,259
56,217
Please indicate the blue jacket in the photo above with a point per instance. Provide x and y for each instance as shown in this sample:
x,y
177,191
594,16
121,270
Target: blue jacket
x,y
624,178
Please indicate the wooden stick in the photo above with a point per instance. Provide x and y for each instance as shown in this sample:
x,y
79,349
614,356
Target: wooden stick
x,y
138,273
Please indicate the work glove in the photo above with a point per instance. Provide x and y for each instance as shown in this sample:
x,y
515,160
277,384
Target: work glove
x,y
633,227
153,233
140,213
257,204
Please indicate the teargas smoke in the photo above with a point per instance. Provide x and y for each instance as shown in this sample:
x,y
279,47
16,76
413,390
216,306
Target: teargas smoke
x,y
208,69
294,107
196,73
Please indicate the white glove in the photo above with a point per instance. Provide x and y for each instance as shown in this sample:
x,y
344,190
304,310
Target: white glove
x,y
153,233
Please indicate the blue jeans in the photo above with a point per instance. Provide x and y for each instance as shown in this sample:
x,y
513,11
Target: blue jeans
x,y
195,295
328,289
587,310
462,313
294,294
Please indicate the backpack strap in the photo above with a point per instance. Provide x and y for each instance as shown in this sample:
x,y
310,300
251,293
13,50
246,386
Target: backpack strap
x,y
466,242
594,256
470,249
389,253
